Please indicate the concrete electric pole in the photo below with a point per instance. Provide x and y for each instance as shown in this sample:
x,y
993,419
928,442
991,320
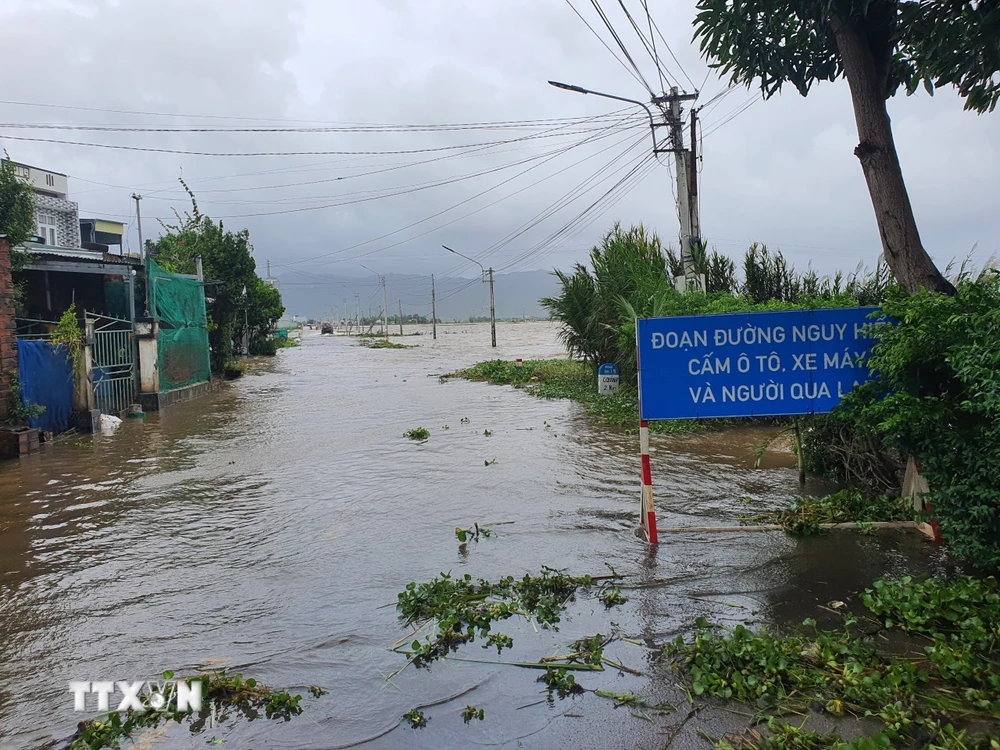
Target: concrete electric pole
x,y
671,117
487,276
434,314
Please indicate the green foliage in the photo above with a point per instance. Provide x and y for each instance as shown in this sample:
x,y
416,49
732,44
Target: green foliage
x,y
464,535
465,609
373,343
934,42
262,309
68,334
226,258
804,516
417,433
612,596
937,398
247,696
471,712
17,210
965,610
571,379
782,736
630,276
416,718
923,692
560,680
19,413
234,370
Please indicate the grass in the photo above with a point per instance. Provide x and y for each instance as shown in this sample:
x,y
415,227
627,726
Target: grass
x,y
573,380
417,433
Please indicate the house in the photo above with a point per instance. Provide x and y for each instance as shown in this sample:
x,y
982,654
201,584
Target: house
x,y
56,217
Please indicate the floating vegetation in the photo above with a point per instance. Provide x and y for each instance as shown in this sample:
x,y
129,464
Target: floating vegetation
x,y
464,420
474,533
471,712
487,433
950,675
416,718
464,609
491,462
806,515
417,433
612,596
560,680
219,690
383,344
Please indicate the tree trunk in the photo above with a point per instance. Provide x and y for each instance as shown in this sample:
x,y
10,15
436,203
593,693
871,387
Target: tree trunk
x,y
904,253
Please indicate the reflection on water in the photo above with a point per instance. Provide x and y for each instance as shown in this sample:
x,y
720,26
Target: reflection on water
x,y
265,528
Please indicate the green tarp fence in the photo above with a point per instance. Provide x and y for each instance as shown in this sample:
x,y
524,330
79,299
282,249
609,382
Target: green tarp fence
x,y
183,352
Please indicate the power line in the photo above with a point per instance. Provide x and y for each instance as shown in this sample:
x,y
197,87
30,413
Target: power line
x,y
621,45
631,71
650,50
122,147
599,175
380,129
667,45
439,213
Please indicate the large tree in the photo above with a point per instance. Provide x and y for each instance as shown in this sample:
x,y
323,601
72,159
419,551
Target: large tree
x,y
879,46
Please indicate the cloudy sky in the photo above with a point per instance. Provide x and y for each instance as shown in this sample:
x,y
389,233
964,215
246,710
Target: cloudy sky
x,y
780,172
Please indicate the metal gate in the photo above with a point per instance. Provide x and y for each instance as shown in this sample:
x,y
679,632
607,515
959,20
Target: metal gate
x,y
114,363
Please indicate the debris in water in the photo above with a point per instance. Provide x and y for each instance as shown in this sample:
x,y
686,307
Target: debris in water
x,y
416,718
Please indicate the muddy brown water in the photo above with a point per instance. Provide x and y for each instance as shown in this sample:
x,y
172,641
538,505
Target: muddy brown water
x,y
268,527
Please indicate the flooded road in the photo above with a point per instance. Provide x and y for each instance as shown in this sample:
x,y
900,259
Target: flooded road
x,y
268,527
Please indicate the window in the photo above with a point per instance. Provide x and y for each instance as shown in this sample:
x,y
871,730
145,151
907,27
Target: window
x,y
47,227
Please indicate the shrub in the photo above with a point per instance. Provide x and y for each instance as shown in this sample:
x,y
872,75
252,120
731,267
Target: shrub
x,y
937,398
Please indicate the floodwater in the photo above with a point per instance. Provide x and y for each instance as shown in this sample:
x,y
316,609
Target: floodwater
x,y
268,527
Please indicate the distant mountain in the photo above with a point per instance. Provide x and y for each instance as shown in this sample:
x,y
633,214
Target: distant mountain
x,y
325,296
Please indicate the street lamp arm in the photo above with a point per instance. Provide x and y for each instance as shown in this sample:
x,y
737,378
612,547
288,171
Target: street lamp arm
x,y
471,260
581,90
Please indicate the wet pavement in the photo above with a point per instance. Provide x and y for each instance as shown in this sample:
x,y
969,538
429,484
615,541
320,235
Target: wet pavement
x,y
269,526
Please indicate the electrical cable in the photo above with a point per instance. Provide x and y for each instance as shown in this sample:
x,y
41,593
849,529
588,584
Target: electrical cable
x,y
122,147
621,44
635,74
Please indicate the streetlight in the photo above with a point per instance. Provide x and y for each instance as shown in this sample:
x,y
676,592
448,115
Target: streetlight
x,y
581,90
493,312
385,303
687,174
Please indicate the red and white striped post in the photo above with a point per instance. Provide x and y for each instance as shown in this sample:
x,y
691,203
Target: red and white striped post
x,y
648,511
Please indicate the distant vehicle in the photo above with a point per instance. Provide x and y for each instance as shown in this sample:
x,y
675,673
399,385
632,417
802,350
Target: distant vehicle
x,y
327,328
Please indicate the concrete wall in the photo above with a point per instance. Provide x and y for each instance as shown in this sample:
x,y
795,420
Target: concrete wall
x,y
68,218
8,344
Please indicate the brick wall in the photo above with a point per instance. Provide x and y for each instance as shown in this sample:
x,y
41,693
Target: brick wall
x,y
68,218
8,344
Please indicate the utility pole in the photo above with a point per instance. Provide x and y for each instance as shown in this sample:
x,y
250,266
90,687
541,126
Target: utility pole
x,y
693,191
670,105
487,275
143,255
385,306
400,316
493,313
434,315
357,298
684,161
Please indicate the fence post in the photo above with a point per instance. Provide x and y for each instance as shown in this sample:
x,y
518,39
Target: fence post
x,y
147,331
